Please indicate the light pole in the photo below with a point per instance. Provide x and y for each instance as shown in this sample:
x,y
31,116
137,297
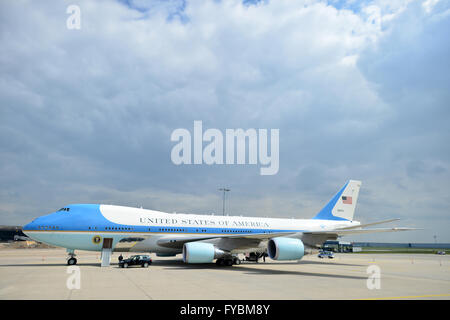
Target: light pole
x,y
224,190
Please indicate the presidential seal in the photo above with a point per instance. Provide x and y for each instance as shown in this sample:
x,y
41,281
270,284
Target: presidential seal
x,y
96,239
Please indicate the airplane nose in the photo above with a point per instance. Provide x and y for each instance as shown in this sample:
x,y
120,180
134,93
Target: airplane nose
x,y
30,226
32,230
39,222
27,226
27,230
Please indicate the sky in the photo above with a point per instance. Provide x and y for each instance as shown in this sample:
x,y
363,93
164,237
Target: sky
x,y
357,89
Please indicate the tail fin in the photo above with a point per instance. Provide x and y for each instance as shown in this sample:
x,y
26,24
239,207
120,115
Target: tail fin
x,y
342,205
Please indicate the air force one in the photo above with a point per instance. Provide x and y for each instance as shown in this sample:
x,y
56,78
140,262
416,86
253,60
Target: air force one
x,y
200,238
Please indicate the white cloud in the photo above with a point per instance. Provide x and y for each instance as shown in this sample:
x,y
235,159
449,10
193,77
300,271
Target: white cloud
x,y
429,4
96,106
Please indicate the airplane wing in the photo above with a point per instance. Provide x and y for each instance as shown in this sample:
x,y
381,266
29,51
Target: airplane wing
x,y
179,241
243,241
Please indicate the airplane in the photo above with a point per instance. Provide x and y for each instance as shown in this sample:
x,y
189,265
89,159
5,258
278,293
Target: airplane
x,y
199,238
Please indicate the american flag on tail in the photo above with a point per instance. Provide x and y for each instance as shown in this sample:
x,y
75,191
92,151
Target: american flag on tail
x,y
347,200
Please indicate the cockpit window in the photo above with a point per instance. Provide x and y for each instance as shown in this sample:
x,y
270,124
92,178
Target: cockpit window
x,y
64,209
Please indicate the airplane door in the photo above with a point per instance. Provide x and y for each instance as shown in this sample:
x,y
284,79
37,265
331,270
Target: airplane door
x,y
106,252
107,243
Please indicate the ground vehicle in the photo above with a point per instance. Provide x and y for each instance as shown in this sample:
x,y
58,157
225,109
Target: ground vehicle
x,y
138,260
324,254
254,256
228,262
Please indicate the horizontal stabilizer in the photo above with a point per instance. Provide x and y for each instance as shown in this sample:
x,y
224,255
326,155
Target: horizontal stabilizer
x,y
368,224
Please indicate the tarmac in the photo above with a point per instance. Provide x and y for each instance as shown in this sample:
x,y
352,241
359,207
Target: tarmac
x,y
43,274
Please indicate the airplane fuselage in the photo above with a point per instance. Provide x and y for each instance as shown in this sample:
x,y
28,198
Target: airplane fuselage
x,y
85,226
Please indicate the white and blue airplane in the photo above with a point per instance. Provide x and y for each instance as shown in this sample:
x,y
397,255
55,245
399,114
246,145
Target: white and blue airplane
x,y
200,238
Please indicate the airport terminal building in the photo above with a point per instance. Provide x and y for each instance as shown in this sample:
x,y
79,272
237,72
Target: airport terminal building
x,y
343,246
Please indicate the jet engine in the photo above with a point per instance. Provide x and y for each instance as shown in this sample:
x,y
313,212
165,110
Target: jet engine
x,y
285,248
200,252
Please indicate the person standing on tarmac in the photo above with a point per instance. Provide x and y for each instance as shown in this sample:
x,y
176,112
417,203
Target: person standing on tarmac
x,y
120,257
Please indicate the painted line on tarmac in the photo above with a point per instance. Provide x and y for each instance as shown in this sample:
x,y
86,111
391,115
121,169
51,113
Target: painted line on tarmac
x,y
410,297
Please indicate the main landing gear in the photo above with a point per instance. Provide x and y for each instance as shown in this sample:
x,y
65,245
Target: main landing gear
x,y
72,260
228,262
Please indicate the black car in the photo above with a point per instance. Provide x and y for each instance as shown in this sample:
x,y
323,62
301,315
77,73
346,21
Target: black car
x,y
138,260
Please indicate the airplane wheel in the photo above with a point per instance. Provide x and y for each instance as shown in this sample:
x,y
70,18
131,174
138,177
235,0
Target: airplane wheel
x,y
145,265
237,261
219,262
125,265
72,261
228,262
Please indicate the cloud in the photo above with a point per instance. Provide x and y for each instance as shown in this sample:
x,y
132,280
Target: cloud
x,y
358,90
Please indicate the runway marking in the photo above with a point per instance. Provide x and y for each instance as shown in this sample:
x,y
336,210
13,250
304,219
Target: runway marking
x,y
410,297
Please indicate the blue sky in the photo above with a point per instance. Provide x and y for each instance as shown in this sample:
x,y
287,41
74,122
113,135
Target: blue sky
x,y
358,90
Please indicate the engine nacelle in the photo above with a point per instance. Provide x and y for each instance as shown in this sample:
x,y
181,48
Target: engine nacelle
x,y
200,252
285,249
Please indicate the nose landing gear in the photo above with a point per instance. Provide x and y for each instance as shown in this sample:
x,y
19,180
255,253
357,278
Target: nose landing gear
x,y
71,260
